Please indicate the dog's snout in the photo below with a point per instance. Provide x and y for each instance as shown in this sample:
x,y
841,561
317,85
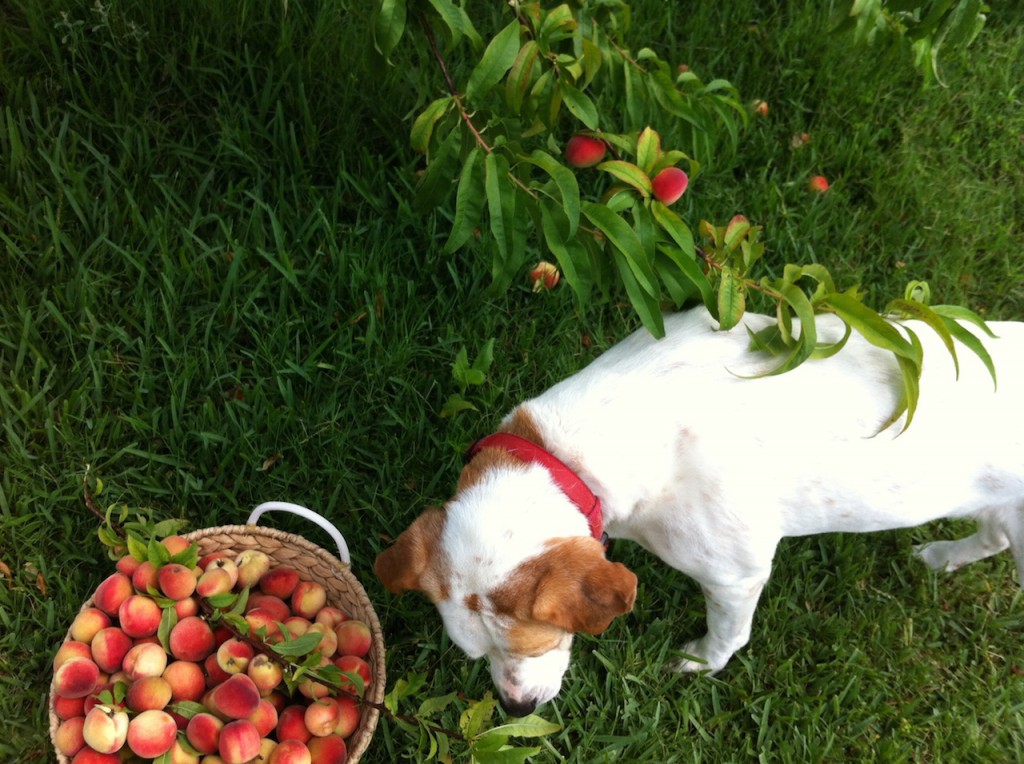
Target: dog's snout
x,y
517,708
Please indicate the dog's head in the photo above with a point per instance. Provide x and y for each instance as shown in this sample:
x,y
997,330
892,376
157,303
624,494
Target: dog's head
x,y
506,588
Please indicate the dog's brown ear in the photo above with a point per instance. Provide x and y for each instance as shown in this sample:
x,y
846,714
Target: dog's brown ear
x,y
408,562
581,590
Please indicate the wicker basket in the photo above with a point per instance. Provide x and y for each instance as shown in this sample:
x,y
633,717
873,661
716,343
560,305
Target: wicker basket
x,y
313,564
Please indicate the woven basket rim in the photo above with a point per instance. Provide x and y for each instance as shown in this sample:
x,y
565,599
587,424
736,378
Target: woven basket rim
x,y
359,741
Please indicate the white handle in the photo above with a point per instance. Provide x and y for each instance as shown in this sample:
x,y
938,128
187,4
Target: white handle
x,y
310,515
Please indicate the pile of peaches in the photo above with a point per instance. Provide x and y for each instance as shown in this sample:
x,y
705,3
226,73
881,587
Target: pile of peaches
x,y
193,661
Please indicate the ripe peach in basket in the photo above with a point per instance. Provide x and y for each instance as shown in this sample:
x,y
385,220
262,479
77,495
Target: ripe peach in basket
x,y
76,678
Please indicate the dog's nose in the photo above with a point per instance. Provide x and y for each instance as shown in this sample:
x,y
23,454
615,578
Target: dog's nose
x,y
517,708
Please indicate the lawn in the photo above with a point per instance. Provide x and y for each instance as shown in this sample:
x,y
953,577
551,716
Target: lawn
x,y
217,293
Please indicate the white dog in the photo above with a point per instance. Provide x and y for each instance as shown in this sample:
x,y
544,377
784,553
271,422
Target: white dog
x,y
667,444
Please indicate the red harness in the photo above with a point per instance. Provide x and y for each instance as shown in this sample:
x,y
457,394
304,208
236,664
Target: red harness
x,y
569,482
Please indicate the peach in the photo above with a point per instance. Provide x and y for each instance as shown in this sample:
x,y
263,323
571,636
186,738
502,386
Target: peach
x,y
264,717
321,717
290,751
308,598
152,733
291,724
544,275
176,581
68,738
182,755
331,616
175,544
214,581
151,693
669,184
71,649
186,679
236,698
203,732
214,673
105,729
279,582
760,108
818,184
68,708
354,665
127,565
252,564
206,559
87,623
191,639
139,616
186,607
328,643
265,673
109,647
267,746
76,678
348,716
313,689
239,742
297,626
262,619
233,656
273,605
89,756
354,638
111,592
146,577
145,659
223,563
328,750
584,151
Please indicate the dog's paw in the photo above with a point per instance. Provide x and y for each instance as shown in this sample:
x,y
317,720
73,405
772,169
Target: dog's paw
x,y
691,661
937,555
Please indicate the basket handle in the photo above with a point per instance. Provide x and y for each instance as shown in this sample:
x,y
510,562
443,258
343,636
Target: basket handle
x,y
308,514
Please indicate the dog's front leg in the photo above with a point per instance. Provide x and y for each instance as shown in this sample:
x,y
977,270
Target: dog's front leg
x,y
730,612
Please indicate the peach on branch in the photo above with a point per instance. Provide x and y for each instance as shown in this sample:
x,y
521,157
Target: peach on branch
x,y
105,729
87,623
71,649
252,564
239,742
669,184
146,577
68,738
139,616
308,598
186,679
203,732
328,750
354,638
76,677
109,647
176,581
279,582
348,716
151,734
233,656
111,592
291,724
144,659
290,751
544,275
352,664
265,673
235,698
584,151
191,639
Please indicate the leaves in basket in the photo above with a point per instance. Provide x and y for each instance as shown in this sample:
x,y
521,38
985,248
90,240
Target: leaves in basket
x,y
298,646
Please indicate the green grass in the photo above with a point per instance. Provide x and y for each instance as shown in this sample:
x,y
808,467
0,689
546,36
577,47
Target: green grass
x,y
209,261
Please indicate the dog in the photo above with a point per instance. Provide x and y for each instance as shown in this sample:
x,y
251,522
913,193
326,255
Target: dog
x,y
672,444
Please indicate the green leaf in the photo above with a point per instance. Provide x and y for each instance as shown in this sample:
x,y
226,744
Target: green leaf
x,y
455,404
496,186
823,351
629,173
136,547
498,58
686,256
520,76
567,251
731,299
911,309
469,201
645,305
434,705
423,126
624,238
648,150
436,183
388,25
528,726
973,344
568,187
963,314
187,708
475,717
505,756
579,105
873,327
457,21
301,645
168,620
